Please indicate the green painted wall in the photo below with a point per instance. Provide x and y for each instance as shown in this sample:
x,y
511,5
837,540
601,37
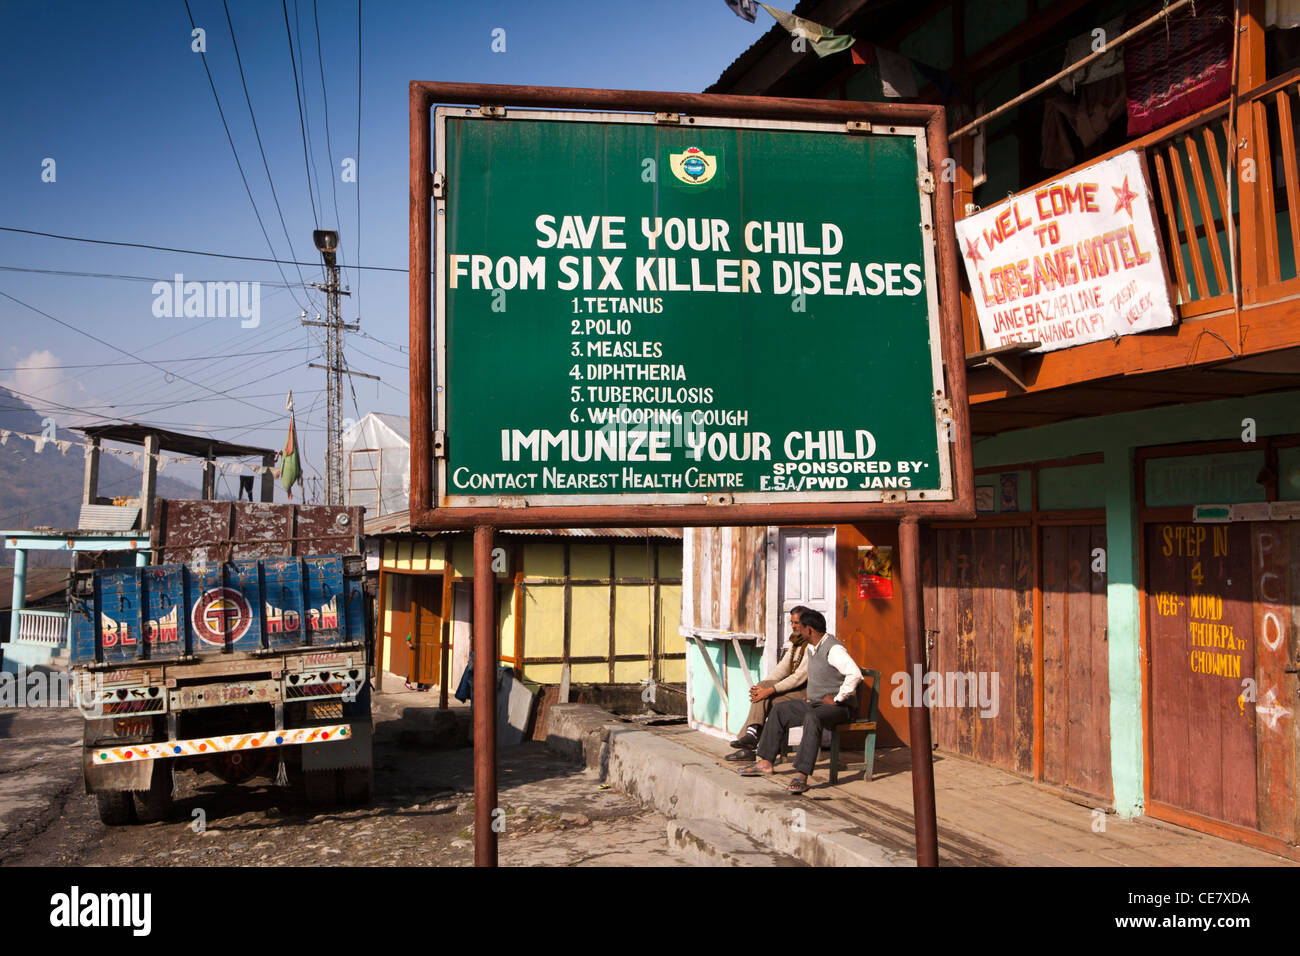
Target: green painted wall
x,y
1288,474
1071,488
1117,437
706,703
708,707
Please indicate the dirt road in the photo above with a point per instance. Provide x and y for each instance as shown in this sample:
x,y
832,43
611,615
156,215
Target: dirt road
x,y
422,814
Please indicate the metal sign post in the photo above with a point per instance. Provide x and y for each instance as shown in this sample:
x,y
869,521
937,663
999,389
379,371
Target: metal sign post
x,y
681,309
485,700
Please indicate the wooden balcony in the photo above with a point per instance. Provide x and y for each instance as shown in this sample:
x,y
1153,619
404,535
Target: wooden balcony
x,y
1251,343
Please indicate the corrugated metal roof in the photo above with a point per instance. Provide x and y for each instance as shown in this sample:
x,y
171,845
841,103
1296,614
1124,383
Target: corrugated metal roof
x,y
108,517
133,433
600,532
400,523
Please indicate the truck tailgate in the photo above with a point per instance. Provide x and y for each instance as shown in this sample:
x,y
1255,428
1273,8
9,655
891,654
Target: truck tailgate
x,y
172,612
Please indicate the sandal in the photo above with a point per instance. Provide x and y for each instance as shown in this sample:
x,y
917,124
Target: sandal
x,y
753,771
797,785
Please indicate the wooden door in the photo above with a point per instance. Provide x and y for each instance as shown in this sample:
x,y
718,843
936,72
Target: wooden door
x,y
427,628
982,659
807,576
1200,624
400,618
1275,560
1076,660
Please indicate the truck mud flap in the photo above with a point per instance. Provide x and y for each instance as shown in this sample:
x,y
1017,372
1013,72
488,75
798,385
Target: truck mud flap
x,y
104,777
353,750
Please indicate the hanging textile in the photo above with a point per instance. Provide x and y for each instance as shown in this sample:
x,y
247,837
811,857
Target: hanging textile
x,y
1110,63
1087,115
1178,67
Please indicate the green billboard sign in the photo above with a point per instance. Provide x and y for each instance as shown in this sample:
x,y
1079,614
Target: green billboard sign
x,y
635,309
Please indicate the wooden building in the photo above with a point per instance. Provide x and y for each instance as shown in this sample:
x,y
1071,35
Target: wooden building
x,y
738,587
573,606
1133,574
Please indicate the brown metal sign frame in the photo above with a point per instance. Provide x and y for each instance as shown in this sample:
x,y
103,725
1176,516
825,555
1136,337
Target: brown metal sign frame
x,y
719,512
484,521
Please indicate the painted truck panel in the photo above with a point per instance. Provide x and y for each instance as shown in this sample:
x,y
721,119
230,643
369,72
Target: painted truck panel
x,y
167,613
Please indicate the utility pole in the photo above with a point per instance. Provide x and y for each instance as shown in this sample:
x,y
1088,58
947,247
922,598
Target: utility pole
x,y
327,243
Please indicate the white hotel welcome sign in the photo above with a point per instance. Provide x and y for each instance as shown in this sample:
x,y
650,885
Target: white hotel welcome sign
x,y
1077,260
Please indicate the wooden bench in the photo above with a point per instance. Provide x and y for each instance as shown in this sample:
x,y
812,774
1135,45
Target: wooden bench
x,y
868,725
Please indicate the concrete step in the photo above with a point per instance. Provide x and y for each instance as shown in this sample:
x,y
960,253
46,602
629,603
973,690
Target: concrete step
x,y
709,843
685,785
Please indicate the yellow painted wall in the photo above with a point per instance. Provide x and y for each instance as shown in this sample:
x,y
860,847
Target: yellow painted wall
x,y
544,560
543,604
670,641
543,623
545,673
412,554
589,630
630,561
588,561
589,674
632,619
631,672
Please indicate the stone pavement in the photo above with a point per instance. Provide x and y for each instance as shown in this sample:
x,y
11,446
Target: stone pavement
x,y
989,817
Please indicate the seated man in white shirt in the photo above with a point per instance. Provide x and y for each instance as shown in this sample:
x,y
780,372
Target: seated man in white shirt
x,y
831,698
786,682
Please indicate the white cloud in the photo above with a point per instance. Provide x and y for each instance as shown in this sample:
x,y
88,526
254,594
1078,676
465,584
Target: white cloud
x,y
49,389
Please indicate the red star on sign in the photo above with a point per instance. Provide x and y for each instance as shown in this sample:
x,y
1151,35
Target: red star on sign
x,y
1124,198
973,251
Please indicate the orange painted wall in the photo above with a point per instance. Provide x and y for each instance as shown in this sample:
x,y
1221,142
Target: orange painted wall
x,y
872,629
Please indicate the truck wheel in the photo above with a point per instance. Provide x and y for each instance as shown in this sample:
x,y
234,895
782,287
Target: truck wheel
x,y
116,808
155,803
355,785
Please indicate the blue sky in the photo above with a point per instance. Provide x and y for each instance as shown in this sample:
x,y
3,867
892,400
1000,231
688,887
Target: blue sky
x,y
115,96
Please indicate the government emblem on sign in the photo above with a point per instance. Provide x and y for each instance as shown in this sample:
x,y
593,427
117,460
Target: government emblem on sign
x,y
219,612
693,166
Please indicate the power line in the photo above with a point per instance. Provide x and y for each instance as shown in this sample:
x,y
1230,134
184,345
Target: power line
x,y
146,390
306,108
329,148
405,368
189,252
110,345
302,126
257,133
71,273
185,329
230,139
401,349
357,170
193,358
134,389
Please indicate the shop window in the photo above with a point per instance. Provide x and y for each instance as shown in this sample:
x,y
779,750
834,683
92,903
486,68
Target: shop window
x,y
1228,478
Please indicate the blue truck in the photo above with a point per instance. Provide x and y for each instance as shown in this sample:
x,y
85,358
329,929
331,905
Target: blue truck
x,y
246,652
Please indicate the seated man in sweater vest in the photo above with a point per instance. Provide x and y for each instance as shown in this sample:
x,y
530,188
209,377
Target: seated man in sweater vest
x,y
833,679
786,682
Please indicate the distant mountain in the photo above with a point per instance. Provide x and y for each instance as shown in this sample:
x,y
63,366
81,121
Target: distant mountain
x,y
45,490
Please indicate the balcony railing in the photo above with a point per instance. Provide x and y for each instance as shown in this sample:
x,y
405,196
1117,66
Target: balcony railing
x,y
1187,164
43,627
